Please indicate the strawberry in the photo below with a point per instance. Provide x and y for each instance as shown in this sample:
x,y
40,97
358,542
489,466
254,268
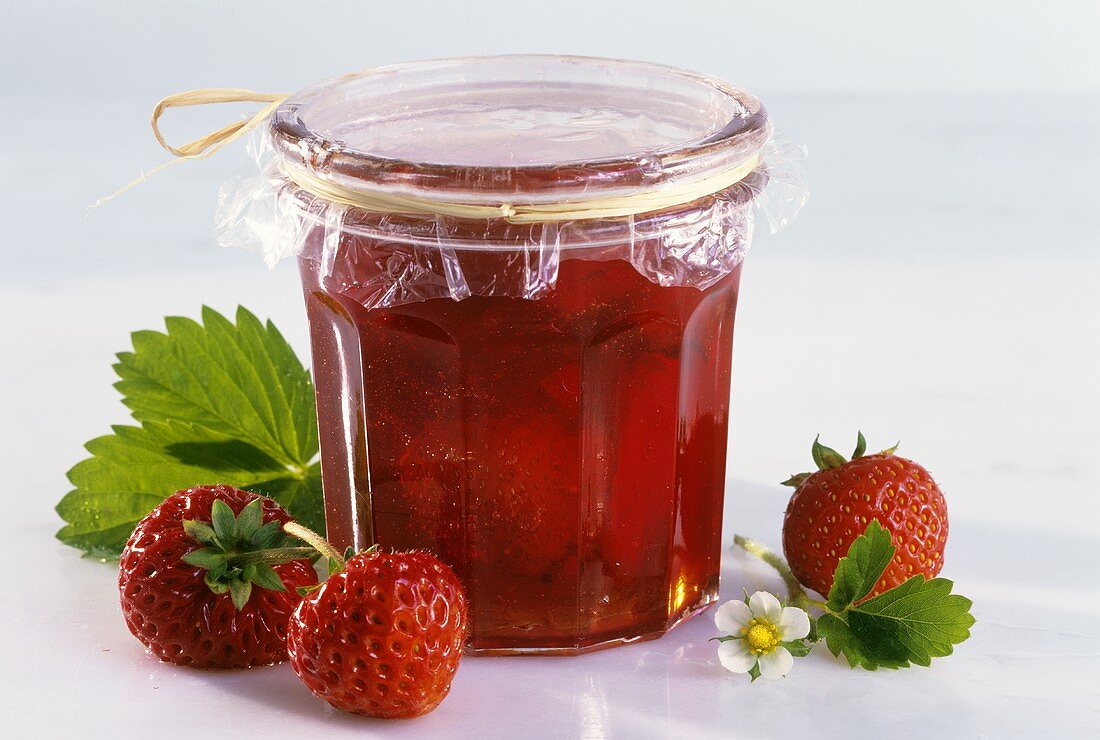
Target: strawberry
x,y
197,584
382,636
832,507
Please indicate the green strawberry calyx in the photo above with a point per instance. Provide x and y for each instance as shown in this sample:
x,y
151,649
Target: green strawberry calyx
x,y
827,458
238,551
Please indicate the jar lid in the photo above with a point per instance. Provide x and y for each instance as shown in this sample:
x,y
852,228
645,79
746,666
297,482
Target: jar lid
x,y
524,128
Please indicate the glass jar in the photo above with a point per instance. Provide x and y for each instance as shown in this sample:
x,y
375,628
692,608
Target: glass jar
x,y
538,397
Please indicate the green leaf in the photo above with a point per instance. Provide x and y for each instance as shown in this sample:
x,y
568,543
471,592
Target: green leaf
x,y
923,615
838,639
300,496
799,648
223,455
754,672
266,577
858,572
861,446
134,469
239,381
909,624
824,457
218,402
99,524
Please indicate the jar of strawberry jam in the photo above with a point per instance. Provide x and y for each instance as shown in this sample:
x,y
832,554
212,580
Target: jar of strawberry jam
x,y
521,276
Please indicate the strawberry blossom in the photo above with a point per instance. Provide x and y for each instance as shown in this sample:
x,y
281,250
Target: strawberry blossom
x,y
755,630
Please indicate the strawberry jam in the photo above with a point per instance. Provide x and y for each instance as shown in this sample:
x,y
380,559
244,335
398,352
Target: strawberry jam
x,y
543,405
565,455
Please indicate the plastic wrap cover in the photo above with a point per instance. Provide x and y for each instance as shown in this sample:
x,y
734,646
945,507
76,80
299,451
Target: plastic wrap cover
x,y
385,260
524,130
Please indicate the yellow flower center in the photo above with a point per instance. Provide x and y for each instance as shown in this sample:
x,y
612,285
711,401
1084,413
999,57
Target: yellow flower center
x,y
761,635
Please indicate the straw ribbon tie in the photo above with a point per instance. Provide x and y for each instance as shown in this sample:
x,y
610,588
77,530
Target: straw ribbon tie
x,y
611,207
204,146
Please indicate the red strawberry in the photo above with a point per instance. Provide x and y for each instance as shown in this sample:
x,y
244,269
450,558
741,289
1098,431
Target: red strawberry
x,y
193,588
383,636
831,507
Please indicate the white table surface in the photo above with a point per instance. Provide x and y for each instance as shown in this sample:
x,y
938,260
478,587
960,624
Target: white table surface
x,y
940,288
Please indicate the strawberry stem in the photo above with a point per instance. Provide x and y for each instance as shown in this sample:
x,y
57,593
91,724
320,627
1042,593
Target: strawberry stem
x,y
317,542
276,556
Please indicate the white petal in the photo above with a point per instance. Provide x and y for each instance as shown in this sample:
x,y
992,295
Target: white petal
x,y
735,656
763,604
775,664
731,617
793,624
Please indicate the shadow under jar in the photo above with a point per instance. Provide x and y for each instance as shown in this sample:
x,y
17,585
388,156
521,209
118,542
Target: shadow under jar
x,y
542,403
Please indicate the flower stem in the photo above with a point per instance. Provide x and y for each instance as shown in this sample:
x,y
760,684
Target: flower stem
x,y
795,593
319,543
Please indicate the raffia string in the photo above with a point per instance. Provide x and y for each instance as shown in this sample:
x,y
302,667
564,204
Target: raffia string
x,y
642,201
203,146
624,205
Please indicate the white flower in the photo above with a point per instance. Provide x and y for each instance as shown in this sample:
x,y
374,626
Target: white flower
x,y
757,629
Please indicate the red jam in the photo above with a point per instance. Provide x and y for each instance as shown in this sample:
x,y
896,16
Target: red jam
x,y
566,456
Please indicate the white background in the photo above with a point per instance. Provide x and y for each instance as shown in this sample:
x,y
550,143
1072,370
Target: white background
x,y
940,286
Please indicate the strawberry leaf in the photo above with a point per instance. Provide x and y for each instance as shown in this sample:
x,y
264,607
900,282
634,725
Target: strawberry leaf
x,y
300,496
857,573
218,402
909,624
240,381
799,648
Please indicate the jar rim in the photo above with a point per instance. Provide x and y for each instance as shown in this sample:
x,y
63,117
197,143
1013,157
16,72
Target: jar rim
x,y
520,128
